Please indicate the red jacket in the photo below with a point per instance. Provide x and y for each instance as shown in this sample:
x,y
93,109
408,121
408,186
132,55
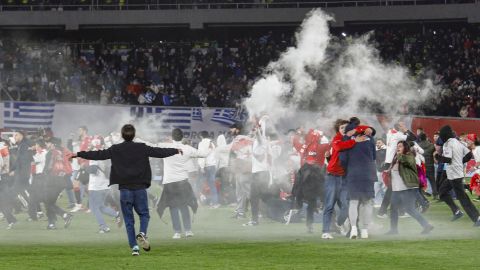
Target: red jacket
x,y
312,152
334,167
475,184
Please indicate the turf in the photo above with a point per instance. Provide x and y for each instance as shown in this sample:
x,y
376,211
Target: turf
x,y
222,243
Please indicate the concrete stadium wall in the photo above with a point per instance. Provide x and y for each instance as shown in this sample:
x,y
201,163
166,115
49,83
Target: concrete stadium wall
x,y
198,19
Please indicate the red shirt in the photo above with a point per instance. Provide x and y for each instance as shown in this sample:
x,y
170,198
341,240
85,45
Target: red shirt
x,y
334,167
311,152
84,146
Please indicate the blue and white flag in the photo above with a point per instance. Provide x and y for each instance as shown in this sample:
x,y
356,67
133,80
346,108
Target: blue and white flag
x,y
27,115
166,119
229,116
197,114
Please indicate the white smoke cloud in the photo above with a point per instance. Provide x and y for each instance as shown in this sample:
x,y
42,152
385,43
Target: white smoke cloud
x,y
332,78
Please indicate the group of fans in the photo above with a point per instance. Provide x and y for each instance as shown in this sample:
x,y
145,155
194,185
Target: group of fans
x,y
284,177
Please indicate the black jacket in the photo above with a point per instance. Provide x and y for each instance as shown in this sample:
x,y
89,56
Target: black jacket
x,y
23,163
130,164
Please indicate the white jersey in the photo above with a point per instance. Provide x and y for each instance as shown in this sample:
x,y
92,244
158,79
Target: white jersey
x,y
393,137
455,150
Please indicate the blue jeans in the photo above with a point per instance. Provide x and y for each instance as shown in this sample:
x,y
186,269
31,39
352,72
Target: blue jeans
x,y
187,223
134,199
405,199
98,207
209,176
335,192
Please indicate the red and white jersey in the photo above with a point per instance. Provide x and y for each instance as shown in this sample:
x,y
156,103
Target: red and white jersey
x,y
4,158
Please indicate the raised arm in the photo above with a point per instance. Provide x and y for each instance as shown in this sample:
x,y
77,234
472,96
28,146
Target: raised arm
x,y
161,152
95,155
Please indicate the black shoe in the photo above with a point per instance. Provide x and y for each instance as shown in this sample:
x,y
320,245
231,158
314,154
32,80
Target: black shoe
x,y
67,219
143,241
427,229
51,227
457,215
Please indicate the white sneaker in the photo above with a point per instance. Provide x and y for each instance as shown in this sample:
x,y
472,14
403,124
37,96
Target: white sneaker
x,y
354,233
76,208
177,236
364,234
189,234
215,206
327,236
384,216
142,239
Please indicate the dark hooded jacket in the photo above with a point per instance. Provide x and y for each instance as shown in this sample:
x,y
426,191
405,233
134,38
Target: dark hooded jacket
x,y
428,149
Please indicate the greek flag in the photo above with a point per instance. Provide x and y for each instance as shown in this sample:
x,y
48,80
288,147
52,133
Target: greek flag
x,y
27,115
197,114
164,119
228,116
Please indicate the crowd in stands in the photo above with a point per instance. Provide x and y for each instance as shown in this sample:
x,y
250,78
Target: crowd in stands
x,y
56,5
219,73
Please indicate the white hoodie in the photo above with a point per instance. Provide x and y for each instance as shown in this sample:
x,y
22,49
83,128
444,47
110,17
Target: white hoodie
x,y
222,152
206,145
175,167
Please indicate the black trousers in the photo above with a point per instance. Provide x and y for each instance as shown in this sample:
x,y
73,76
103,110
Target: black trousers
x,y
457,185
387,199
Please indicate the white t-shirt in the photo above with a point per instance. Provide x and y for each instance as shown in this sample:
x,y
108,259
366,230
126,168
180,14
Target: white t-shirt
x,y
175,167
476,153
98,180
455,150
259,157
397,182
40,160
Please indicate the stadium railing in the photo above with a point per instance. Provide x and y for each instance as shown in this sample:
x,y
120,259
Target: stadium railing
x,y
95,5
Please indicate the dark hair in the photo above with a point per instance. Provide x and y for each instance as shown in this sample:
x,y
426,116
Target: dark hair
x,y
422,137
177,134
354,120
406,147
84,128
128,132
338,123
41,143
204,134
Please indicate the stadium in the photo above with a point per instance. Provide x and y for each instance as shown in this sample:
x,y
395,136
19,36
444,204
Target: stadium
x,y
250,134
